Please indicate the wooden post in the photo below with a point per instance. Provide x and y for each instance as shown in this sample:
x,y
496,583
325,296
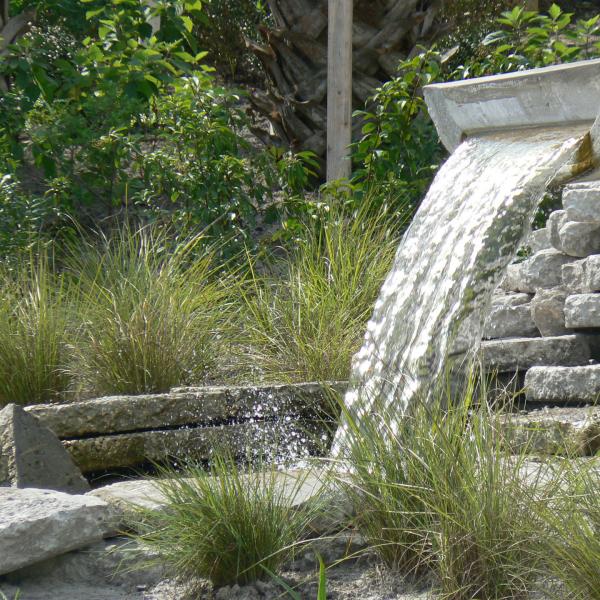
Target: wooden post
x,y
339,89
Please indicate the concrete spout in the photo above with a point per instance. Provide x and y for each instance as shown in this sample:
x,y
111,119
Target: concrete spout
x,y
557,96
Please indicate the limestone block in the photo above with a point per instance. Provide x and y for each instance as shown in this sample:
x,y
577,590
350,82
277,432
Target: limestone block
x,y
582,311
555,221
570,431
541,271
573,278
510,321
563,384
36,525
539,240
547,311
32,456
582,202
523,353
500,299
582,276
580,238
184,406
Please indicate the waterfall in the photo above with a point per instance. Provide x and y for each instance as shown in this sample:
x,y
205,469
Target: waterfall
x,y
466,232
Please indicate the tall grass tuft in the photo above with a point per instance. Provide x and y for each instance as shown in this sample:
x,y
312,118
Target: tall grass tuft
x,y
227,525
35,332
571,539
436,491
306,324
152,312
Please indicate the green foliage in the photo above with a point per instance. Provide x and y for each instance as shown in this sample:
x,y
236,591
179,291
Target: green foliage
x,y
228,525
221,29
306,320
36,329
439,490
152,313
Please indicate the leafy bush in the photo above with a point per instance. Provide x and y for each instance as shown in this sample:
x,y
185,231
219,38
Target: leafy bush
x,y
306,321
36,330
227,525
152,315
437,490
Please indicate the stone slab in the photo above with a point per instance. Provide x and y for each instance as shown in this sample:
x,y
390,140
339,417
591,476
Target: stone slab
x,y
510,321
184,406
31,456
563,384
582,276
563,94
539,240
582,201
523,353
286,438
541,271
561,431
582,311
36,525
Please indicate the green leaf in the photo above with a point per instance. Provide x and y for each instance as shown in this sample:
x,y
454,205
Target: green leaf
x,y
555,11
187,23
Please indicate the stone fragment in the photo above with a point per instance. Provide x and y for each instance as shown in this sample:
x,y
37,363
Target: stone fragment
x,y
36,525
563,384
289,439
547,311
523,353
31,456
511,281
582,311
541,271
183,406
582,202
580,238
539,240
509,321
555,221
516,299
563,431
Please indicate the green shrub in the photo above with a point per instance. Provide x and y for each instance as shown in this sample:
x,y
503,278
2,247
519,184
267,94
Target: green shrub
x,y
152,313
36,330
436,490
306,321
227,525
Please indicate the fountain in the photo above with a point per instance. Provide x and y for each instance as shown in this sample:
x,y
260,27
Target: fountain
x,y
510,137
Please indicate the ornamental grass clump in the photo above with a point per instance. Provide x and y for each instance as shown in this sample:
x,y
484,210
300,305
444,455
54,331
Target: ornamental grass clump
x,y
229,524
152,312
437,491
571,542
306,323
36,329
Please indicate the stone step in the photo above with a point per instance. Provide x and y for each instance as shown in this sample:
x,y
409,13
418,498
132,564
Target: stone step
x,y
523,353
287,437
184,406
561,431
582,311
563,384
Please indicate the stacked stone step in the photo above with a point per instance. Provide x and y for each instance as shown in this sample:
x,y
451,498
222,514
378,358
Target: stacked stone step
x,y
544,327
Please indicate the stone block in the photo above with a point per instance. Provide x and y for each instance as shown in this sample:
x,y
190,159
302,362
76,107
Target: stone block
x,y
582,276
31,456
573,277
36,525
184,406
500,299
582,202
505,321
562,431
580,238
523,353
547,312
541,271
555,221
563,384
582,311
539,240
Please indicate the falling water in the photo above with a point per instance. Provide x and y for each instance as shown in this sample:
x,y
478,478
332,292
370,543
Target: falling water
x,y
451,259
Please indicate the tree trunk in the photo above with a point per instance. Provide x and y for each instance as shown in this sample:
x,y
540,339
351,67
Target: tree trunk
x,y
294,56
10,30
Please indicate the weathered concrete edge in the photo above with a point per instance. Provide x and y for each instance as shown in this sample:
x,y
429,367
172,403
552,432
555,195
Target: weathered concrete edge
x,y
560,95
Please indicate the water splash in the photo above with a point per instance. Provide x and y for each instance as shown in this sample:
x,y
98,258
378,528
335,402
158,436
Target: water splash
x,y
451,259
